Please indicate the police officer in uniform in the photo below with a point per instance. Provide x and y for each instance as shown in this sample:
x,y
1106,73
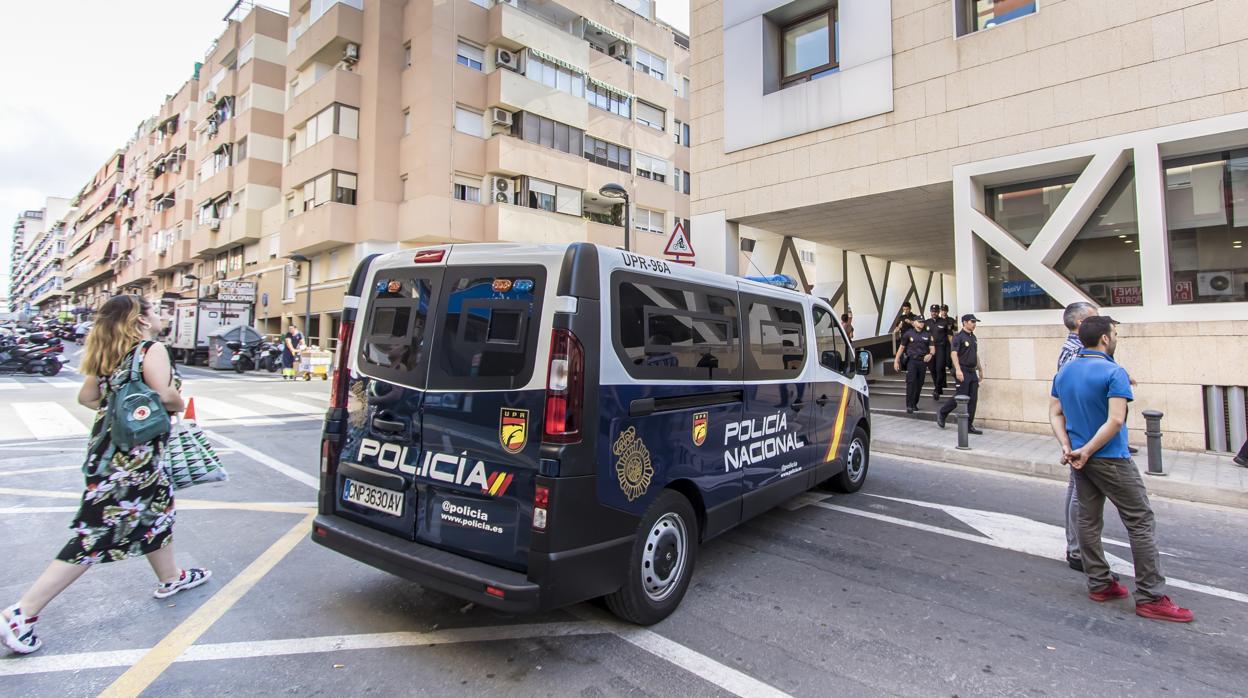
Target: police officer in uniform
x,y
916,347
938,327
966,373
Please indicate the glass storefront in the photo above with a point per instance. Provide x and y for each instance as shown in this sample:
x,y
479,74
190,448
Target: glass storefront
x,y
1104,258
1207,226
1021,210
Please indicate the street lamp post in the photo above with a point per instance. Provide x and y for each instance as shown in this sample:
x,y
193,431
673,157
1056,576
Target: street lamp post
x,y
615,191
190,360
307,311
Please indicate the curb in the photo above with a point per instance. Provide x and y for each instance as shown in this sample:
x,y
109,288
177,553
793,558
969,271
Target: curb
x,y
1159,486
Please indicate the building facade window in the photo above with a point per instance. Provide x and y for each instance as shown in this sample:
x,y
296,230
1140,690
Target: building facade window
x,y
334,120
651,115
651,167
546,132
407,121
240,150
647,220
680,180
469,121
1104,258
549,196
617,157
467,188
975,15
470,55
650,64
607,99
808,46
680,133
1021,210
1207,226
332,187
559,77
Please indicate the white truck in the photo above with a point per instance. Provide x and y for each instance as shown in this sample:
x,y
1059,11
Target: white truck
x,y
189,339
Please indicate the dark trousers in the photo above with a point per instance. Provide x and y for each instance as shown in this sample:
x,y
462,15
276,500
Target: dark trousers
x,y
939,366
969,388
1118,480
915,371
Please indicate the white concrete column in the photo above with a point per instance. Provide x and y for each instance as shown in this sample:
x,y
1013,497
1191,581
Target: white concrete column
x,y
717,242
972,281
1150,212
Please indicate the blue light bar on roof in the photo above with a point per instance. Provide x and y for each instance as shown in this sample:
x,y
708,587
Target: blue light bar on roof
x,y
781,280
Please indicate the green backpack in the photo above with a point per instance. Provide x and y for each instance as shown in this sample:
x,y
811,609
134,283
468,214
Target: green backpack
x,y
135,413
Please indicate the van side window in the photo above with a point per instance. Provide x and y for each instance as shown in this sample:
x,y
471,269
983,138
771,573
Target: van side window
x,y
777,339
830,342
669,330
487,333
394,331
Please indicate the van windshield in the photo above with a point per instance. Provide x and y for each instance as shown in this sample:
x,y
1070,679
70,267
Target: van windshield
x,y
487,328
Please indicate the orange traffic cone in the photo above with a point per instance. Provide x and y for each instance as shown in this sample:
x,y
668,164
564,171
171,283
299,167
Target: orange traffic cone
x,y
189,414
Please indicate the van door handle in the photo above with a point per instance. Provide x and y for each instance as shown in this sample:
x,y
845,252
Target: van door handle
x,y
821,400
797,406
387,425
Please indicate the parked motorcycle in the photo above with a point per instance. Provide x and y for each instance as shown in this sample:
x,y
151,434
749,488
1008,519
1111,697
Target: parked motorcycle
x,y
16,358
270,356
243,357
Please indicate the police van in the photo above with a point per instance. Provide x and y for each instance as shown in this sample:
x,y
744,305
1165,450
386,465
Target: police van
x,y
529,426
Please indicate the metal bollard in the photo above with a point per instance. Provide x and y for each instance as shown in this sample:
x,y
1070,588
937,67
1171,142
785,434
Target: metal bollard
x,y
1152,431
964,422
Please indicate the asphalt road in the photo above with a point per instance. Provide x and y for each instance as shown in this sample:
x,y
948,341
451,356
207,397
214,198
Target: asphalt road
x,y
934,580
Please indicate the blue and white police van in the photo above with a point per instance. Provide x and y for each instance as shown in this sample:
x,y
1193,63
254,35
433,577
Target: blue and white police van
x,y
529,426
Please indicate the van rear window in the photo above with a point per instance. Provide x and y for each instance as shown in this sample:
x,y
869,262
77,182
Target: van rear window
x,y
669,330
393,341
487,328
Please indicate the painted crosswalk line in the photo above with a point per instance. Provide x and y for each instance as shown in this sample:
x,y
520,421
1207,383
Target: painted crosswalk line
x,y
285,404
49,420
210,411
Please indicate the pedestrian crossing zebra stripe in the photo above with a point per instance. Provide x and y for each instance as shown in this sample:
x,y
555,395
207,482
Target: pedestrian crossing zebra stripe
x,y
286,405
48,420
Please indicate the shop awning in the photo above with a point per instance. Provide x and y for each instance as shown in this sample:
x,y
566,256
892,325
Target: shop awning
x,y
607,30
557,61
613,88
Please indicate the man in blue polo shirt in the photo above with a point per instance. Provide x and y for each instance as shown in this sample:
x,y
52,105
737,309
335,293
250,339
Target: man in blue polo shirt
x,y
1088,412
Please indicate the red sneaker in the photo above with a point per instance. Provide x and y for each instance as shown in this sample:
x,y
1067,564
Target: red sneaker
x,y
1109,593
1164,609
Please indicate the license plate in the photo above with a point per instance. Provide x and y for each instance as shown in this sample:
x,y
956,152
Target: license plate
x,y
383,500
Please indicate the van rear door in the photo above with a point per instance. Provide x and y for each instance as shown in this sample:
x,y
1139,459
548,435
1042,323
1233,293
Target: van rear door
x,y
482,415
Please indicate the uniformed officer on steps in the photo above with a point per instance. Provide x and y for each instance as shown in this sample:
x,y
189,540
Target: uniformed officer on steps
x,y
965,373
917,350
938,327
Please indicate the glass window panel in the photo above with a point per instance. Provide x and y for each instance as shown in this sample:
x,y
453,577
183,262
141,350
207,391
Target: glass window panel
x,y
1104,258
564,81
348,122
1011,289
1207,223
990,13
1023,209
806,46
562,143
468,121
569,201
547,137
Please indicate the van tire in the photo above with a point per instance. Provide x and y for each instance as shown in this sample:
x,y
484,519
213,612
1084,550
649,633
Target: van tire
x,y
671,522
857,458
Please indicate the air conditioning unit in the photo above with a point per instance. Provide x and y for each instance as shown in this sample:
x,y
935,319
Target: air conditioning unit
x,y
210,290
501,117
500,189
513,3
210,96
507,59
293,270
220,276
214,223
618,50
351,53
1215,283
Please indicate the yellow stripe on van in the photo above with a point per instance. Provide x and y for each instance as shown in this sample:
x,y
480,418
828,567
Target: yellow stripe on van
x,y
840,424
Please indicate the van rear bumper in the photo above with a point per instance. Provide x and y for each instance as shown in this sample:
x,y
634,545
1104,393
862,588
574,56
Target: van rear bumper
x,y
430,567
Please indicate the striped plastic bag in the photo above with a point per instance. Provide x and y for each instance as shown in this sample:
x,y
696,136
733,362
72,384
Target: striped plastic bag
x,y
189,459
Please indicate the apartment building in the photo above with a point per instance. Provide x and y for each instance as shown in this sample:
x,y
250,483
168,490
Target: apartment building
x,y
42,283
411,123
93,237
1005,157
26,227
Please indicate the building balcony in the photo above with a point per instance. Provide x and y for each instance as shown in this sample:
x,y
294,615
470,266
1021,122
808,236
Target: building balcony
x,y
615,73
206,242
512,156
333,153
514,92
322,228
507,223
241,228
511,28
336,86
50,296
325,38
603,234
88,274
178,255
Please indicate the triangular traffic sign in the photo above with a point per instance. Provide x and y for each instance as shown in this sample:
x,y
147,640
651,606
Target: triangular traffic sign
x,y
678,243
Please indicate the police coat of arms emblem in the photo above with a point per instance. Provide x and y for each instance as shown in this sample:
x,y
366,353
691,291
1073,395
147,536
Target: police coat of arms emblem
x,y
633,469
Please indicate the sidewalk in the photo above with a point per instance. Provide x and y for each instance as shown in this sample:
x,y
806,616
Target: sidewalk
x,y
1191,476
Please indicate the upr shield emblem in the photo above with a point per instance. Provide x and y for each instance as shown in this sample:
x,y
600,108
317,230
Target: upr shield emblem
x,y
699,427
633,469
513,429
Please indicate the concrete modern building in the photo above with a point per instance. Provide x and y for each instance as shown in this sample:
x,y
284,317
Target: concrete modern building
x,y
1005,157
42,274
28,226
93,236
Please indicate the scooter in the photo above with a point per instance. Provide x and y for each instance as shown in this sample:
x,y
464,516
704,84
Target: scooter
x,y
270,357
18,359
243,358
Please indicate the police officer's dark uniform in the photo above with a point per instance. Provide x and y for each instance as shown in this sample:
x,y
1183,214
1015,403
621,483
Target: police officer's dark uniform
x,y
938,327
916,347
966,346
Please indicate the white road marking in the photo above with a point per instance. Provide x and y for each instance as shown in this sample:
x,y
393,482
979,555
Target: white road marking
x,y
319,397
58,382
49,420
284,404
12,385
267,460
49,469
216,411
1016,533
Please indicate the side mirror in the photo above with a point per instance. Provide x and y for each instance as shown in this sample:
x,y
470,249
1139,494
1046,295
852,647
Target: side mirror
x,y
864,362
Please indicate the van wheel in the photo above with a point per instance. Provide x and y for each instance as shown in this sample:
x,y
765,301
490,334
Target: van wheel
x,y
857,458
661,562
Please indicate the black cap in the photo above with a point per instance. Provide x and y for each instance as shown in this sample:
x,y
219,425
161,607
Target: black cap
x,y
944,307
935,308
969,316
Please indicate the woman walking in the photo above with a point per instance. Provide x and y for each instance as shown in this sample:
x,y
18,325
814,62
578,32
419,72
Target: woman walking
x,y
292,344
127,508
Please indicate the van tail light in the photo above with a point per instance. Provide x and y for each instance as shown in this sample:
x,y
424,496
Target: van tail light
x,y
541,505
342,374
565,388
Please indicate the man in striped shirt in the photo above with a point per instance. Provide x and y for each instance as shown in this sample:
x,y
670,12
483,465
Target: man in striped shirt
x,y
1074,316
